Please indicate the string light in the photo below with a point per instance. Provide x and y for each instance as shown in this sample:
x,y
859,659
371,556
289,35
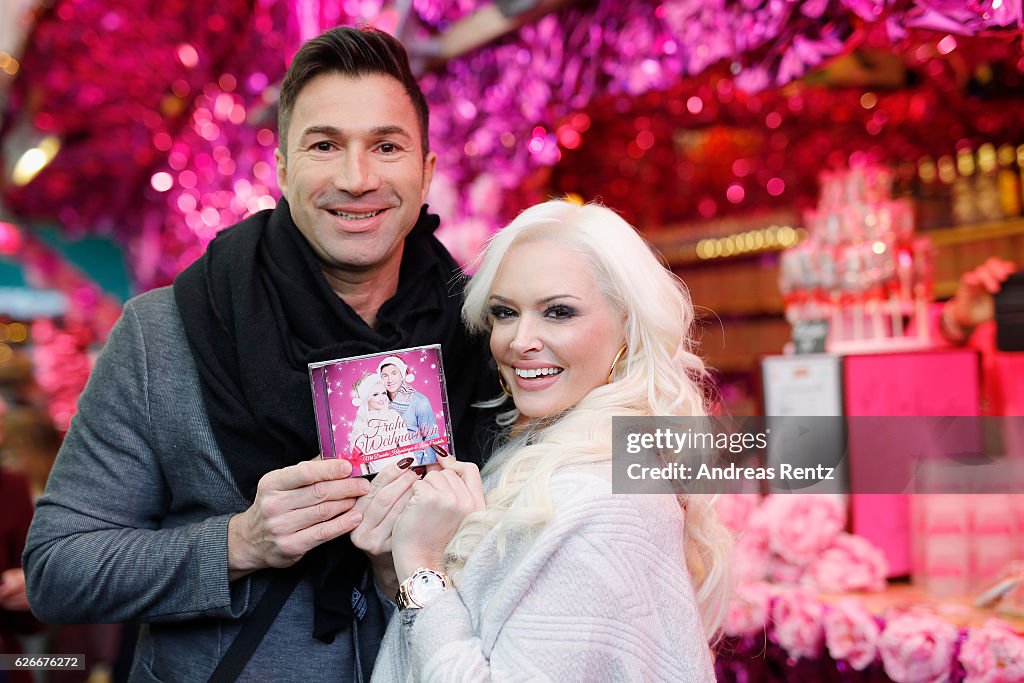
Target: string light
x,y
35,160
749,242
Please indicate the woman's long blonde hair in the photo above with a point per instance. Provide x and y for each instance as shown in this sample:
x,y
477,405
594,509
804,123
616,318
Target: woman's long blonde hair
x,y
659,375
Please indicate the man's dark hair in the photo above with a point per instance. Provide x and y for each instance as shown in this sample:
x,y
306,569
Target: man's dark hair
x,y
355,52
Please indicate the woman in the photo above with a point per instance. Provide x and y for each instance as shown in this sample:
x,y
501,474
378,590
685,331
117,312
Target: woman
x,y
542,573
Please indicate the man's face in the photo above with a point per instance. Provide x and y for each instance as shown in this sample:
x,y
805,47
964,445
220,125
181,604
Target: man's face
x,y
354,175
392,377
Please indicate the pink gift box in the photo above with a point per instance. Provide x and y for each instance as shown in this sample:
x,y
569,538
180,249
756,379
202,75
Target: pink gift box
x,y
938,382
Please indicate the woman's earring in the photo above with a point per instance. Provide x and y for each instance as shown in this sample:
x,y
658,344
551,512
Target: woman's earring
x,y
503,384
615,362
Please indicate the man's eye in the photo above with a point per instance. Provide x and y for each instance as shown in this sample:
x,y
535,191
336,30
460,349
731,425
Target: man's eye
x,y
323,146
560,312
502,312
388,148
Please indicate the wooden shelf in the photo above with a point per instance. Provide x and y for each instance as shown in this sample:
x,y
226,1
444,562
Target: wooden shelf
x,y
963,234
740,306
732,287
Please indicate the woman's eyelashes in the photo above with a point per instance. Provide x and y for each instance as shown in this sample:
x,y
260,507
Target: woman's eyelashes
x,y
560,312
501,313
553,312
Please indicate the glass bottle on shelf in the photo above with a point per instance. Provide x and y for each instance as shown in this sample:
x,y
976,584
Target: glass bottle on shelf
x,y
946,168
965,209
1009,182
1020,167
932,200
986,187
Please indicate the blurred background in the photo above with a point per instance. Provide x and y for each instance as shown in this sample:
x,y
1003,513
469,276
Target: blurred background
x,y
131,132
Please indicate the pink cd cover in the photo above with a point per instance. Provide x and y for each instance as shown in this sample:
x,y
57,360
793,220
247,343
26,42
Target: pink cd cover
x,y
377,409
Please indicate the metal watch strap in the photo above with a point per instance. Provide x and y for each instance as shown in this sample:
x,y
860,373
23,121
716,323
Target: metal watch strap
x,y
404,598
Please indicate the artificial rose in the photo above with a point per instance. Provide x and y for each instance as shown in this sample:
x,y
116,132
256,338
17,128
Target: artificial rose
x,y
734,509
783,572
797,614
748,609
752,555
918,649
851,633
803,525
993,654
851,563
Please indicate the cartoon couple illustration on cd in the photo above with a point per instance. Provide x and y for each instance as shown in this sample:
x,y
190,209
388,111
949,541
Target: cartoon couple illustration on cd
x,y
390,414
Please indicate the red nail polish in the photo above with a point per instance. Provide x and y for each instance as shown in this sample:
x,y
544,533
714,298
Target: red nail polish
x,y
404,463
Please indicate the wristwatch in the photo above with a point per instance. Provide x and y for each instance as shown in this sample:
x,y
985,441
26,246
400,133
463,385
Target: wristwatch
x,y
421,588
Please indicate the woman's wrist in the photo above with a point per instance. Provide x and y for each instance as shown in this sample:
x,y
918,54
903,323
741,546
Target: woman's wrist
x,y
406,566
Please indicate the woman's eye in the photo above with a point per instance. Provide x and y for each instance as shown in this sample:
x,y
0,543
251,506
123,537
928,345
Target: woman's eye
x,y
501,312
560,312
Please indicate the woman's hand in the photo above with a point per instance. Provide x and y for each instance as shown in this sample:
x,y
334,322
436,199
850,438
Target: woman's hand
x,y
439,502
389,493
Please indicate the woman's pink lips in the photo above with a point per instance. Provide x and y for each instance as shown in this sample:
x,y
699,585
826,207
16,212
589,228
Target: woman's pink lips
x,y
536,383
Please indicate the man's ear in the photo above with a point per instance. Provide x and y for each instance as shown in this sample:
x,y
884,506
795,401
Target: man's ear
x,y
282,171
429,166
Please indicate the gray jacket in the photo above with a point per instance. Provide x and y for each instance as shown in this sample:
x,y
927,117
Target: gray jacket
x,y
133,524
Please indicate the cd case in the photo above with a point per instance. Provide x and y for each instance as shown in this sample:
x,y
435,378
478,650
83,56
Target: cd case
x,y
380,408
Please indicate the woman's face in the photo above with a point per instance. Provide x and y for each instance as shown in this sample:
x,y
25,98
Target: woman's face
x,y
378,399
553,333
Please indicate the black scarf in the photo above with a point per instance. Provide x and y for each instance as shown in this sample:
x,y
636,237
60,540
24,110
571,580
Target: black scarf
x,y
257,309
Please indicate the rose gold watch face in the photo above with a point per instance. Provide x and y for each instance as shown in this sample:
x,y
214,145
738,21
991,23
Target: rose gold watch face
x,y
424,587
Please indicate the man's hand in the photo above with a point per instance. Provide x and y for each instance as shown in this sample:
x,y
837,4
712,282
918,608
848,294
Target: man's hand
x,y
12,590
296,509
389,493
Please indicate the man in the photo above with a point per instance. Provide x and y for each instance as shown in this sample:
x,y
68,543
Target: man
x,y
185,484
414,406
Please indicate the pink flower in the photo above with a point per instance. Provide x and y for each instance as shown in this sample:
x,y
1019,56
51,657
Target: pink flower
x,y
752,556
851,563
803,525
783,572
851,633
993,654
734,509
918,649
748,609
751,560
797,615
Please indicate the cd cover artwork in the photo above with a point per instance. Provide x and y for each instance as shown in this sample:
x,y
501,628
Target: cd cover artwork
x,y
377,409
